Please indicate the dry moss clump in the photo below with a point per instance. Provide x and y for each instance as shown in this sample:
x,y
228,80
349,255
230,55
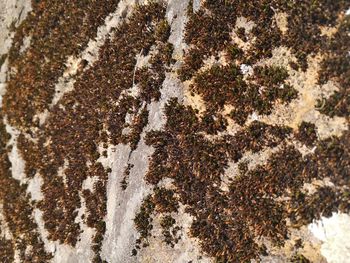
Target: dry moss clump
x,y
307,133
336,67
6,250
196,166
65,149
18,213
58,30
228,223
101,110
161,202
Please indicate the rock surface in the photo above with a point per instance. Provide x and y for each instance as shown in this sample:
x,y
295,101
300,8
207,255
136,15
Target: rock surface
x,y
174,131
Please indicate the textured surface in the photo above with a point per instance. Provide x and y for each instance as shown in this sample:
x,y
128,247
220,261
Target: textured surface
x,y
174,131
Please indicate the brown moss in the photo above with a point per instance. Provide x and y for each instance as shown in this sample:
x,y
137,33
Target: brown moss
x,y
299,259
333,158
7,251
255,137
17,212
165,200
304,34
57,31
202,163
233,52
137,127
143,220
224,85
213,123
162,31
307,133
336,67
250,210
270,75
124,182
66,142
149,83
227,224
150,78
162,201
218,85
241,34
169,230
31,155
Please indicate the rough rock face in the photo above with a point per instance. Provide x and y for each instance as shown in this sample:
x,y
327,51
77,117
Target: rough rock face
x,y
174,131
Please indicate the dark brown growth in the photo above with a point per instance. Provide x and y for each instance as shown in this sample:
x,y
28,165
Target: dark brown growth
x,y
58,30
124,182
336,67
143,219
169,230
224,85
299,259
64,150
6,250
162,201
196,164
192,150
228,223
17,212
2,59
307,133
